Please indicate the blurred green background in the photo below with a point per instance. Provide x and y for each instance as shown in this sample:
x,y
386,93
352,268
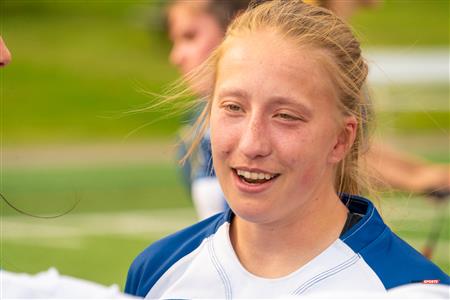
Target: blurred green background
x,y
66,134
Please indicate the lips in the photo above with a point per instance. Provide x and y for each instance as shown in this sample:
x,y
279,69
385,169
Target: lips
x,y
253,180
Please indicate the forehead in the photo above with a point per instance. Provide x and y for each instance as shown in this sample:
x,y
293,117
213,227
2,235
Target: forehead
x,y
268,62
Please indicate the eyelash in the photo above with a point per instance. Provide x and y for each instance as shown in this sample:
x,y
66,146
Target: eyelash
x,y
231,107
235,108
287,117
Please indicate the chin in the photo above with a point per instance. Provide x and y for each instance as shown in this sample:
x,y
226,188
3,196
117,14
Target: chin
x,y
250,211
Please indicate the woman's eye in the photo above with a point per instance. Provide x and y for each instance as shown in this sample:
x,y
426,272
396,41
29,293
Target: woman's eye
x,y
233,107
287,117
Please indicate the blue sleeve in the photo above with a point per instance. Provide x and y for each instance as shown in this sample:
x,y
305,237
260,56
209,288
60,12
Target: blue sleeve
x,y
397,263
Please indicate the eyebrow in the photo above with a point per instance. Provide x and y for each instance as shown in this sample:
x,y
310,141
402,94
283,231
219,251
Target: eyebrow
x,y
233,93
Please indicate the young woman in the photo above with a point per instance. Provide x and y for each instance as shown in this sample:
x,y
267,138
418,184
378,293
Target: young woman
x,y
196,28
288,123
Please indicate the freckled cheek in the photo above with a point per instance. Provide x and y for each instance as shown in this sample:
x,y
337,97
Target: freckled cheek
x,y
301,157
223,136
309,176
305,173
223,141
314,167
293,148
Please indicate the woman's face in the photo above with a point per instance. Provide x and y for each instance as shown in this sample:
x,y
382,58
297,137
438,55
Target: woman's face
x,y
276,132
194,34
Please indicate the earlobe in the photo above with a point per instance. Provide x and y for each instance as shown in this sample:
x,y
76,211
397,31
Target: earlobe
x,y
345,139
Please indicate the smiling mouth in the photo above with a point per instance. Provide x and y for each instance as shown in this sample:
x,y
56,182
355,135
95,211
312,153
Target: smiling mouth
x,y
254,178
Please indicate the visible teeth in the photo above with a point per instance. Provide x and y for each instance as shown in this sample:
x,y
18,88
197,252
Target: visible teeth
x,y
253,175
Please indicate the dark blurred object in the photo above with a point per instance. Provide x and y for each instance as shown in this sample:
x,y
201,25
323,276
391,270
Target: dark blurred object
x,y
441,200
439,195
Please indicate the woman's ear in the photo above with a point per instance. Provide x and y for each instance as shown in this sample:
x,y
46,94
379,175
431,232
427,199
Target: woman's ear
x,y
345,139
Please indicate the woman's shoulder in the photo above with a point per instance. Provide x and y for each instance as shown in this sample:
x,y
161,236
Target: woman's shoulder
x,y
392,259
151,263
397,263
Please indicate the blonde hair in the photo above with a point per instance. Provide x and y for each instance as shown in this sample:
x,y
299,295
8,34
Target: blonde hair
x,y
318,29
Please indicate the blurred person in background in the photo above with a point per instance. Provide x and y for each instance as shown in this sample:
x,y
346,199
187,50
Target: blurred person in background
x,y
196,28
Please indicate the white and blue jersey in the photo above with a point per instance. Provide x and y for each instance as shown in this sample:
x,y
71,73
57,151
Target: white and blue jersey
x,y
199,262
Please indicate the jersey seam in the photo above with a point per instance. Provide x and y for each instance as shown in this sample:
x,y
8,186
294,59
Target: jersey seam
x,y
368,264
222,274
324,275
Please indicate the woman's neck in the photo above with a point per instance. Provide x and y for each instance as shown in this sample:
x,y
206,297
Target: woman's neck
x,y
278,249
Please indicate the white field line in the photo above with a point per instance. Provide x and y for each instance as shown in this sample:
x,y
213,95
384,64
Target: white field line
x,y
69,232
411,66
137,223
74,243
95,224
408,65
84,155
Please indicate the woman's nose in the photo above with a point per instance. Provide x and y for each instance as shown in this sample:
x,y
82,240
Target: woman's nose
x,y
5,55
255,140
